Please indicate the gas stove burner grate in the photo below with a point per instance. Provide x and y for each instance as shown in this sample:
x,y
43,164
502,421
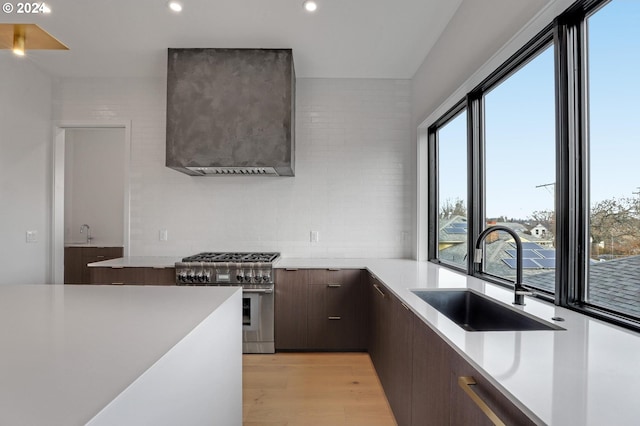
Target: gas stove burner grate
x,y
233,257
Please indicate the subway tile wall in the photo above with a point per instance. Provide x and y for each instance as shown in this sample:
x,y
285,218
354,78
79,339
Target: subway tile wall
x,y
354,183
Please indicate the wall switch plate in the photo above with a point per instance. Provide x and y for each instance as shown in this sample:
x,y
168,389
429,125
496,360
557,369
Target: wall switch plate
x,y
163,235
32,236
314,236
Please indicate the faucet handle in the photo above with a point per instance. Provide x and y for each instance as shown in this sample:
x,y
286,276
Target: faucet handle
x,y
477,255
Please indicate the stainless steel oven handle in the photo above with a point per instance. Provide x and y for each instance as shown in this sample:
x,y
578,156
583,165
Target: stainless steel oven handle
x,y
258,290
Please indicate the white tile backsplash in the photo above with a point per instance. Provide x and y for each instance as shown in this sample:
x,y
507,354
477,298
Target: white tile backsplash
x,y
354,173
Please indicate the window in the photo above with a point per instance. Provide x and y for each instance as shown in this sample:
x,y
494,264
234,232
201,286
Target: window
x,y
520,164
552,152
452,223
614,144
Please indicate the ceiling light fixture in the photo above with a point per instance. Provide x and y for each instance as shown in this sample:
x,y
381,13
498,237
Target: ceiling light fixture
x,y
175,6
23,37
46,8
310,5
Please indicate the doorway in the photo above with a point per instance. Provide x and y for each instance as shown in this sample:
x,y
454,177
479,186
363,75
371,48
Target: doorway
x,y
91,187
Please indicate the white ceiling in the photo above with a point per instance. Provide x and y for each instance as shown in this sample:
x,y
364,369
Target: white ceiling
x,y
343,39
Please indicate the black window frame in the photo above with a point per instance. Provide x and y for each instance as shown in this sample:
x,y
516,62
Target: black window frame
x,y
567,33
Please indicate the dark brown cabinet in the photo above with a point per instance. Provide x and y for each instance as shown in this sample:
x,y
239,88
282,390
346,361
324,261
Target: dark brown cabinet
x,y
77,258
391,348
290,310
464,410
431,381
418,370
320,309
336,310
132,276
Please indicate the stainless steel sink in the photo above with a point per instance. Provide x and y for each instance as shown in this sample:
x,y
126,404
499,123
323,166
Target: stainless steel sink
x,y
474,311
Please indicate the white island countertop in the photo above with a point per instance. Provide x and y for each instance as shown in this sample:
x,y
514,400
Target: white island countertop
x,y
73,355
587,374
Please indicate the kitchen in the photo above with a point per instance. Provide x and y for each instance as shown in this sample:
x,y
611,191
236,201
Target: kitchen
x,y
356,176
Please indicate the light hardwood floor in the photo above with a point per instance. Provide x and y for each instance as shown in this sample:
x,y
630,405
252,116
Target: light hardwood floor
x,y
290,389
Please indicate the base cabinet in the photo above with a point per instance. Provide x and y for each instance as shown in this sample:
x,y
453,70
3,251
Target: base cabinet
x,y
290,309
430,403
391,348
419,371
465,411
132,276
76,259
320,310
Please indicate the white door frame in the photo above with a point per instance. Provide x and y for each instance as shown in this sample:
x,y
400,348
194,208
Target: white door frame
x,y
57,211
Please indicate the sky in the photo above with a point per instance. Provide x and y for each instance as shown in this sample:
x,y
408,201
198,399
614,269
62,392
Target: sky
x,y
520,124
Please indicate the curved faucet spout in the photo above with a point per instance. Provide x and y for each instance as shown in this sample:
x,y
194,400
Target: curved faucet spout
x,y
88,232
519,290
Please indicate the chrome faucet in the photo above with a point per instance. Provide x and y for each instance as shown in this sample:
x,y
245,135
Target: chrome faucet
x,y
519,290
88,232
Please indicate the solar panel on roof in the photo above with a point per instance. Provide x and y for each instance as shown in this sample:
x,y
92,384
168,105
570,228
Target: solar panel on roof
x,y
459,225
547,253
526,254
526,263
528,246
546,263
450,230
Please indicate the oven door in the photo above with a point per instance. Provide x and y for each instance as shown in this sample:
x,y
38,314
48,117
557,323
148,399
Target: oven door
x,y
250,310
257,320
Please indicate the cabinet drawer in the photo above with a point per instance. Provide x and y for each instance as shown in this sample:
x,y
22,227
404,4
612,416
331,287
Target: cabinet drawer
x,y
334,277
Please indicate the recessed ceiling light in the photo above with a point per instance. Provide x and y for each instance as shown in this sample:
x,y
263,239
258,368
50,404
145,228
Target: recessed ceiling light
x,y
310,5
175,6
45,8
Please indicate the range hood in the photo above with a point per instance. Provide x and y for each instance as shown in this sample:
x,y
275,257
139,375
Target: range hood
x,y
231,112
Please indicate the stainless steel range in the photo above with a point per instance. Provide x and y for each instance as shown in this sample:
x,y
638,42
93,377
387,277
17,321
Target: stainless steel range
x,y
252,271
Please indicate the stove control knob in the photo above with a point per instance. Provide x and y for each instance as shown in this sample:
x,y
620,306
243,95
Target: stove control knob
x,y
182,277
240,278
257,278
207,276
266,278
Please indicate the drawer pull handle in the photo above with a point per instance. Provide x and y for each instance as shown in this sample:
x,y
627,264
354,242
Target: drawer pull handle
x,y
465,383
333,285
117,283
379,291
100,256
404,306
290,269
333,269
335,318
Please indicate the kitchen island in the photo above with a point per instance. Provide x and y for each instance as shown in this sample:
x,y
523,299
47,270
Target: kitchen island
x,y
126,355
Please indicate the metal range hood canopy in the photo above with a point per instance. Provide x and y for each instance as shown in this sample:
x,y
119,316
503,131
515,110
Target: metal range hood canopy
x,y
231,112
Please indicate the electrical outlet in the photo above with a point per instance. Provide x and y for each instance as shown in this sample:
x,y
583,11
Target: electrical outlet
x,y
314,236
32,236
163,235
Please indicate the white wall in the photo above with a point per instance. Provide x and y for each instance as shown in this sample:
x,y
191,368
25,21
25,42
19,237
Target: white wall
x,y
25,167
353,179
94,185
480,36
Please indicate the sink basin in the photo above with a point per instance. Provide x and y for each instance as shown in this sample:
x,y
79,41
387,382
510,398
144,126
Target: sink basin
x,y
474,311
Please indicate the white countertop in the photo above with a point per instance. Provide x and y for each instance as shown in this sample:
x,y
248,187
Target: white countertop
x,y
138,262
97,244
67,351
587,374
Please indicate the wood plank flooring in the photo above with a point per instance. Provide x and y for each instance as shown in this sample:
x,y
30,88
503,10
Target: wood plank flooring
x,y
290,389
